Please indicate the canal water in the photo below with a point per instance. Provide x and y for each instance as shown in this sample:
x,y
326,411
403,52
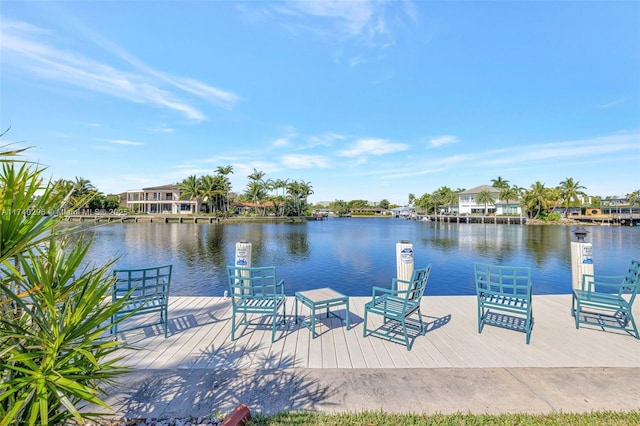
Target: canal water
x,y
353,254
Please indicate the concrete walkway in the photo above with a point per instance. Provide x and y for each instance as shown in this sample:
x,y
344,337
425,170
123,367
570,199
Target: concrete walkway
x,y
183,393
198,371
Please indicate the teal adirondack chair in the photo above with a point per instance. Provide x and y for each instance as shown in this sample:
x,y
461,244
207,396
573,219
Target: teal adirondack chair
x,y
504,295
146,291
607,301
255,291
396,305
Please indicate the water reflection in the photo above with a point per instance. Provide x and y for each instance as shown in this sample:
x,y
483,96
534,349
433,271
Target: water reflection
x,y
352,255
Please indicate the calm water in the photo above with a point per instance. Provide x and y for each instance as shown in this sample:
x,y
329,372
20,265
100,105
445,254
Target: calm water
x,y
354,254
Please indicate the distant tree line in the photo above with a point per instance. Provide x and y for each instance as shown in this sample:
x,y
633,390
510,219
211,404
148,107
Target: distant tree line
x,y
85,196
284,197
538,201
279,197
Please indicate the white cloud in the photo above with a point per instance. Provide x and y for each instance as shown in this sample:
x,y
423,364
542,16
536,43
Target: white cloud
x,y
326,139
290,133
586,152
162,129
281,142
355,24
443,140
412,174
611,104
373,147
567,150
298,161
23,49
124,142
351,17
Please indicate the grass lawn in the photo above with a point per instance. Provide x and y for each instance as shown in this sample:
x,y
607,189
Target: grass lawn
x,y
373,418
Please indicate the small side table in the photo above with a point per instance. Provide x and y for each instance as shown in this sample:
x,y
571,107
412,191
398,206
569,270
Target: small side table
x,y
322,298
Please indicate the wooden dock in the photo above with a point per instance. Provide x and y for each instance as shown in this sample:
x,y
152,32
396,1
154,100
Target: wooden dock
x,y
502,220
200,328
159,218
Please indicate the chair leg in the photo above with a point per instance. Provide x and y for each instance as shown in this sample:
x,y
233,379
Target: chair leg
x,y
420,320
364,327
114,327
233,326
165,320
633,324
406,335
284,311
273,326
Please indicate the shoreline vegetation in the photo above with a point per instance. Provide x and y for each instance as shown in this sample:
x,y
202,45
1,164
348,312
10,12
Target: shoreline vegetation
x,y
211,219
212,196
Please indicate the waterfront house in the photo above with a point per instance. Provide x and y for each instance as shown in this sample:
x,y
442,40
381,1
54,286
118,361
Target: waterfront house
x,y
165,199
467,202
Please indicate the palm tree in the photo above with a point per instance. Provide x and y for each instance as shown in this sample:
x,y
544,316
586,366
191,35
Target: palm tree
x,y
293,189
443,196
499,183
507,194
256,193
190,189
281,184
423,202
208,191
486,198
634,198
299,192
223,171
82,187
306,189
82,191
256,188
537,199
256,175
570,193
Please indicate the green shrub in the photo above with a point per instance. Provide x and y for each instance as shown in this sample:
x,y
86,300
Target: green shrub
x,y
55,349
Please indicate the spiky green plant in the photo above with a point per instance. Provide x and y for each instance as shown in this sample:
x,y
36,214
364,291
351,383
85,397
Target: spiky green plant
x,y
56,353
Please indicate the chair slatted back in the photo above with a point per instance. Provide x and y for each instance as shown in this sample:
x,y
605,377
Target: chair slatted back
x,y
498,280
631,281
142,283
418,284
254,282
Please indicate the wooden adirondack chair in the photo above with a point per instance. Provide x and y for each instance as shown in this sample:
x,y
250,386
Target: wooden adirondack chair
x,y
396,305
255,290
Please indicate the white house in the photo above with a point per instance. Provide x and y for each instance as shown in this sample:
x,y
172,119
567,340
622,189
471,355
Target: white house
x,y
159,199
467,203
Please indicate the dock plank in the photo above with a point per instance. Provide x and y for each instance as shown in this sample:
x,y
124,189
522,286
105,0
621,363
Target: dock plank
x,y
200,328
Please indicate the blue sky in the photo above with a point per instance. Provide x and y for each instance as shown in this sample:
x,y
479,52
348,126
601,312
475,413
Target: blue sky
x,y
363,100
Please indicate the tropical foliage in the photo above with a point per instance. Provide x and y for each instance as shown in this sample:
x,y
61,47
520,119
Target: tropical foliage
x,y
56,354
212,190
85,196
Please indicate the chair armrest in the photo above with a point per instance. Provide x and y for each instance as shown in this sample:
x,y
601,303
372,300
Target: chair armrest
x,y
381,290
388,291
280,285
590,281
395,281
